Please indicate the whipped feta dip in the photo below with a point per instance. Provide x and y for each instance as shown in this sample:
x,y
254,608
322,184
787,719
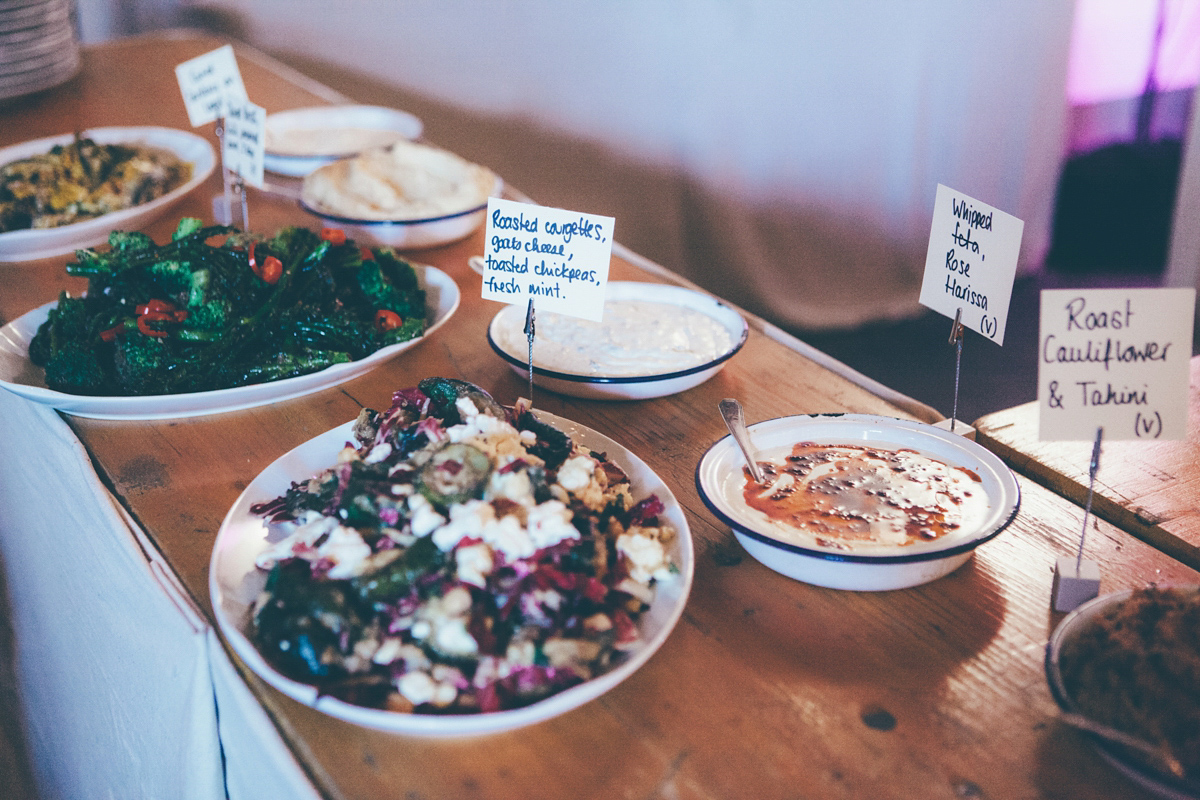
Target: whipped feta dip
x,y
635,338
865,498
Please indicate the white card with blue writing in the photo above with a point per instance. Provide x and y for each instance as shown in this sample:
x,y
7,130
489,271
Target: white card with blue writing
x,y
971,262
207,82
231,140
243,150
1116,359
251,140
555,257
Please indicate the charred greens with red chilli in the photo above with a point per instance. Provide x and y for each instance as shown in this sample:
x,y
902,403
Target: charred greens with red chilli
x,y
215,308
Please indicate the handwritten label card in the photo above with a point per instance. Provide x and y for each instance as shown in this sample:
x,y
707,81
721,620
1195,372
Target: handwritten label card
x,y
245,131
558,258
971,262
208,82
1115,359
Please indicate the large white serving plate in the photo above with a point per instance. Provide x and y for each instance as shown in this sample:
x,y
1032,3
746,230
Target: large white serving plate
x,y
235,582
21,377
285,160
27,245
625,387
720,481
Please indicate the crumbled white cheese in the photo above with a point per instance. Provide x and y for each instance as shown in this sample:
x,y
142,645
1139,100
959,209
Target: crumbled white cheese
x,y
347,550
507,536
466,520
474,564
550,523
575,653
455,602
388,651
513,485
443,623
425,518
646,555
341,545
576,472
379,452
598,623
453,638
417,687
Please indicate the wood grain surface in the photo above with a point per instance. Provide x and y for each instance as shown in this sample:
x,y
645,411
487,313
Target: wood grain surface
x,y
767,688
1151,489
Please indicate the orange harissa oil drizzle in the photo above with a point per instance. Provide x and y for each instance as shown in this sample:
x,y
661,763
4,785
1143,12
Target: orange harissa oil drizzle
x,y
849,494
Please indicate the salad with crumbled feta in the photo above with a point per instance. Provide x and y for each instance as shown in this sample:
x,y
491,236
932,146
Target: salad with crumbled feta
x,y
463,557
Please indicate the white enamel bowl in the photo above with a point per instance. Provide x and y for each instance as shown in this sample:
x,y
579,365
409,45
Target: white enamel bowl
x,y
638,387
281,127
409,234
720,481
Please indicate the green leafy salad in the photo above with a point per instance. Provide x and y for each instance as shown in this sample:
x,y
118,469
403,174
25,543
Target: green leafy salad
x,y
215,308
463,557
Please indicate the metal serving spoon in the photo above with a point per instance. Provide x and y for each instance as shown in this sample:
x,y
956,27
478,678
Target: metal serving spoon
x,y
735,420
1161,759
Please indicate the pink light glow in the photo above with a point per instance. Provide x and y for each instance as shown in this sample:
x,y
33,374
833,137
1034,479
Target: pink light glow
x,y
1111,48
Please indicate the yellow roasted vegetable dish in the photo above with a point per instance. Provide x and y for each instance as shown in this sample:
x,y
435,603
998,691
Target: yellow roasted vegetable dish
x,y
82,180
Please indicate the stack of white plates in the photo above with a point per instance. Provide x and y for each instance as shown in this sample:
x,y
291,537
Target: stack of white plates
x,y
38,46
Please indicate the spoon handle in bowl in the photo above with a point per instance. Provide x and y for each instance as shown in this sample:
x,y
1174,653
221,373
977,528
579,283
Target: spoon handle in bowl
x,y
735,420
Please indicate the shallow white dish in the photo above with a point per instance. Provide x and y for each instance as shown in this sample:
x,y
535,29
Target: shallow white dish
x,y
640,387
409,234
26,245
1074,623
235,582
284,159
720,481
19,376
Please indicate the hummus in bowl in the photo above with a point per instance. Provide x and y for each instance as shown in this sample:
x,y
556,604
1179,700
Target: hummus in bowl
x,y
404,195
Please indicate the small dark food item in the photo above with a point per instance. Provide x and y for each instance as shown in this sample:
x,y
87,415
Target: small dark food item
x,y
1136,668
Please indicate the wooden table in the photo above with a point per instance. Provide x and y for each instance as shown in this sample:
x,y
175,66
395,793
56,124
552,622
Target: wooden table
x,y
1147,488
767,687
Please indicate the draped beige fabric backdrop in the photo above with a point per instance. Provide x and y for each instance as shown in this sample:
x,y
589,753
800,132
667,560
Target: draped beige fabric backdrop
x,y
784,154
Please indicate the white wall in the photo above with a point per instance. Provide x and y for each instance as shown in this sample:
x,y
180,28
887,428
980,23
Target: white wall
x,y
806,139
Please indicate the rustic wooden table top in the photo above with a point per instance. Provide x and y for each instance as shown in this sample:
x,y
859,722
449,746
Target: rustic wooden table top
x,y
1148,488
766,688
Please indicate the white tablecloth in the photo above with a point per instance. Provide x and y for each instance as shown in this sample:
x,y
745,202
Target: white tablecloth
x,y
125,690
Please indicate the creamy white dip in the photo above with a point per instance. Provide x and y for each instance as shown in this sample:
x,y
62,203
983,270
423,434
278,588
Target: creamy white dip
x,y
636,337
402,181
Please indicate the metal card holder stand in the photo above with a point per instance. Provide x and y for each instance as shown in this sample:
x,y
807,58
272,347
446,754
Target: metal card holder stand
x,y
1076,579
529,327
239,187
233,184
223,203
952,424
